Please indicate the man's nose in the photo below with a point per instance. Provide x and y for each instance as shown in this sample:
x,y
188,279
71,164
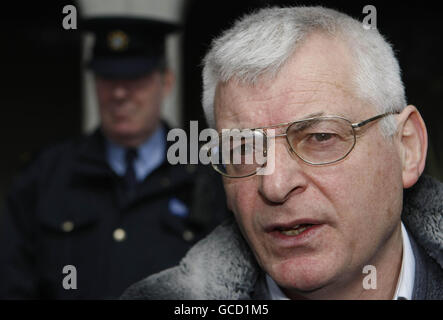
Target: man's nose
x,y
120,91
286,179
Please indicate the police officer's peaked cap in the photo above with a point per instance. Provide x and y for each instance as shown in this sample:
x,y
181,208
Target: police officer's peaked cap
x,y
127,46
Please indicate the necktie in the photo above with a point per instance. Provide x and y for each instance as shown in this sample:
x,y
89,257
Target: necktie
x,y
130,178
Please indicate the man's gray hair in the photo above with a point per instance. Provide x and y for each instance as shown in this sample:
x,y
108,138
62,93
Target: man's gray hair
x,y
260,44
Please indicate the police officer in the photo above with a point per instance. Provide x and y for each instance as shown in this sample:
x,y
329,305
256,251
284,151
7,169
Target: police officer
x,y
90,217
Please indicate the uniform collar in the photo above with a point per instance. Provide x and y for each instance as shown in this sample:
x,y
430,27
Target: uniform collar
x,y
90,159
91,168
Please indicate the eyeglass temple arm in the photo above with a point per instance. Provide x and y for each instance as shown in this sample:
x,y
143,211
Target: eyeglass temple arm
x,y
364,122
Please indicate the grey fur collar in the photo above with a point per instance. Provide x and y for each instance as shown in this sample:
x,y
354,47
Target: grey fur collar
x,y
423,215
222,267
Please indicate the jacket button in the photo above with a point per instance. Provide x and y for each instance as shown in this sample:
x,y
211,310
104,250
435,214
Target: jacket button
x,y
119,235
67,226
188,235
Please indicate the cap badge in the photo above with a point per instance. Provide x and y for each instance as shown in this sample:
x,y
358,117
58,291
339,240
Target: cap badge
x,y
118,40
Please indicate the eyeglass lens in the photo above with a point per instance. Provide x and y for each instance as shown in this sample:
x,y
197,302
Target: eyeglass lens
x,y
316,141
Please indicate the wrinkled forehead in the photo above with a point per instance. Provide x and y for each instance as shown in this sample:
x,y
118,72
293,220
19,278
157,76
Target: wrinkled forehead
x,y
318,78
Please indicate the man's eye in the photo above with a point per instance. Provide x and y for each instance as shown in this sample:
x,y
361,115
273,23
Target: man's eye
x,y
321,137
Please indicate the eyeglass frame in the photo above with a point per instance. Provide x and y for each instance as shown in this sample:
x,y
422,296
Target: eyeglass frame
x,y
354,126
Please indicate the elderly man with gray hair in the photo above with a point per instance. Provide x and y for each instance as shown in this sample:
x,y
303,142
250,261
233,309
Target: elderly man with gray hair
x,y
344,212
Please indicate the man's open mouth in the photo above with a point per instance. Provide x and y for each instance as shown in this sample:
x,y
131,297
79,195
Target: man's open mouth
x,y
295,230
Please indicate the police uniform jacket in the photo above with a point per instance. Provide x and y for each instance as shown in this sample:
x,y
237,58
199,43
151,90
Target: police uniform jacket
x,y
69,231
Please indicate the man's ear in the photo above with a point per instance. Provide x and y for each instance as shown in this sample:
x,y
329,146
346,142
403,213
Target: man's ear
x,y
413,140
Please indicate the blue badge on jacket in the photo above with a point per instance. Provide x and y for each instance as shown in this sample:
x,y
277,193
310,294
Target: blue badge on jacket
x,y
178,207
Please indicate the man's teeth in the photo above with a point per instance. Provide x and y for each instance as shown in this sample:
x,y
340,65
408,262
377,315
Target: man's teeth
x,y
295,231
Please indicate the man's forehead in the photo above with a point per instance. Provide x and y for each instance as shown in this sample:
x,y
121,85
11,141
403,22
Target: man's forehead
x,y
242,107
318,75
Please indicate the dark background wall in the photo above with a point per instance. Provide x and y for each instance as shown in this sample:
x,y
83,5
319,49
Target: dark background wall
x,y
40,82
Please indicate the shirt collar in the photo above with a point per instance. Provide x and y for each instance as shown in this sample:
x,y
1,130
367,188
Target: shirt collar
x,y
405,283
274,290
151,155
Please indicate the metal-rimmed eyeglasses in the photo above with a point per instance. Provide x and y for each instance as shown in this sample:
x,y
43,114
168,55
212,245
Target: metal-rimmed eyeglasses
x,y
317,141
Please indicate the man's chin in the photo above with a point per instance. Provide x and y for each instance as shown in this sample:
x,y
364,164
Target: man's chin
x,y
301,277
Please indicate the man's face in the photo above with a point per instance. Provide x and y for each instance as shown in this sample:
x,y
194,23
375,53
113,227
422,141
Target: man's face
x,y
354,204
130,108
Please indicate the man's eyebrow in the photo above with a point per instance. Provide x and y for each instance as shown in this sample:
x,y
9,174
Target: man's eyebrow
x,y
310,115
306,124
313,115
